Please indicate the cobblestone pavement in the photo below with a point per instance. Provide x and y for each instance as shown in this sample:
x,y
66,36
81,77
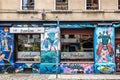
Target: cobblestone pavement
x,y
60,77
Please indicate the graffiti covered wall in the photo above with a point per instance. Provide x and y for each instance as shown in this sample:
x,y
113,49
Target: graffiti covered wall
x,y
77,68
6,50
104,50
50,48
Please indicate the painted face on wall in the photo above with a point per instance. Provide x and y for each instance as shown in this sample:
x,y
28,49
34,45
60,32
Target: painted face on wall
x,y
50,40
51,36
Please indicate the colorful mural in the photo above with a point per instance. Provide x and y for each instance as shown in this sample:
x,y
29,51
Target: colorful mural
x,y
6,50
49,68
77,68
50,45
19,67
50,39
49,57
50,50
105,68
104,47
118,57
77,25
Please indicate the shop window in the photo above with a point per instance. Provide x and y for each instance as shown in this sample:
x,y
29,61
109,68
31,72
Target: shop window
x,y
61,4
78,46
27,4
92,4
118,4
27,47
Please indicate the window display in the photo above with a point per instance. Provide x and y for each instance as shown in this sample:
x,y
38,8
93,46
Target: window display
x,y
77,46
28,47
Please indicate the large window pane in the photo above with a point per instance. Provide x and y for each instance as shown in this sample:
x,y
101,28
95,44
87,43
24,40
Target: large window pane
x,y
77,45
28,47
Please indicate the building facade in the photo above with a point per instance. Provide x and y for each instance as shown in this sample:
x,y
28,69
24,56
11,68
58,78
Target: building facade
x,y
60,36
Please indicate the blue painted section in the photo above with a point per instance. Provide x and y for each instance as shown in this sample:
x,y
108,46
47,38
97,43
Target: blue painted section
x,y
19,67
116,25
48,68
6,50
105,68
104,49
49,56
77,25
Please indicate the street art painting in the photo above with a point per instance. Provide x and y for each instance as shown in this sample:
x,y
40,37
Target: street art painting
x,y
117,57
49,57
50,45
49,68
104,45
6,50
50,39
19,67
77,68
104,48
103,68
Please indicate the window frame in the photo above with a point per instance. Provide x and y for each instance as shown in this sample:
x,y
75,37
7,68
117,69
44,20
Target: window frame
x,y
60,9
25,60
118,4
92,9
21,6
73,58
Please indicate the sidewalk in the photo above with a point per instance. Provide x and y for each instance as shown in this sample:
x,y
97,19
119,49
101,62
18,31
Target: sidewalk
x,y
60,77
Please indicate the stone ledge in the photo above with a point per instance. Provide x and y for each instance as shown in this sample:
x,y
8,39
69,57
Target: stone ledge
x,y
93,11
61,11
27,11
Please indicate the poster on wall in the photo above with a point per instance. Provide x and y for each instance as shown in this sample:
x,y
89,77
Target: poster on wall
x,y
104,50
6,50
50,45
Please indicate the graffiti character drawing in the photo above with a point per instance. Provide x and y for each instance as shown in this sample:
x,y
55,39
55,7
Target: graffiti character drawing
x,y
105,47
51,40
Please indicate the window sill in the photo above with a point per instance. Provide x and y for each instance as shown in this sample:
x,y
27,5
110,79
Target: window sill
x,y
27,11
27,62
61,11
117,11
93,11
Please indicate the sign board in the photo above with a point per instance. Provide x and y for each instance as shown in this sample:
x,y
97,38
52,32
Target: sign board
x,y
76,55
27,30
28,55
